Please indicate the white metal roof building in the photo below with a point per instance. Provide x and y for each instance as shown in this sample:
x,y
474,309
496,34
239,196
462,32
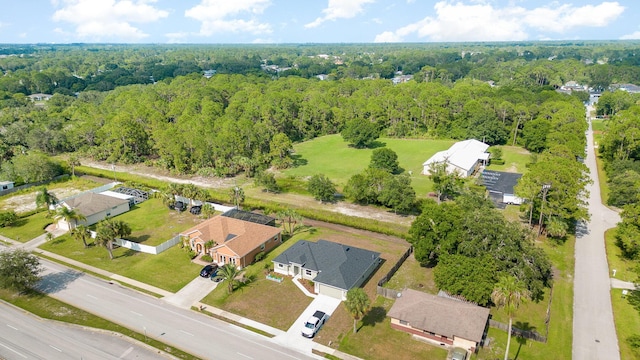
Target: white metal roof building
x,y
463,157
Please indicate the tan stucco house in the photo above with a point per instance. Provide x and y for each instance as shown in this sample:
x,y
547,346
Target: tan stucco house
x,y
439,320
234,241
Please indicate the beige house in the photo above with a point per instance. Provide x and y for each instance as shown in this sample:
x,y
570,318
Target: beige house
x,y
439,320
234,241
94,207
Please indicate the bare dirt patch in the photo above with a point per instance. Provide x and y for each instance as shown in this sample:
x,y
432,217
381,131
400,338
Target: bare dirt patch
x,y
22,203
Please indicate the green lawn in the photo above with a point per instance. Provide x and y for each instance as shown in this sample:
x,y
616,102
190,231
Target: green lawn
x,y
515,160
153,223
559,339
627,321
624,268
332,156
28,227
396,344
169,270
413,276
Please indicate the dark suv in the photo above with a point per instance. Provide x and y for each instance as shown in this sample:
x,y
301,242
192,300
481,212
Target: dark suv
x,y
208,270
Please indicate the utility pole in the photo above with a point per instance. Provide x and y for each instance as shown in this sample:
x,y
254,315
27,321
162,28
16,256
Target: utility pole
x,y
545,189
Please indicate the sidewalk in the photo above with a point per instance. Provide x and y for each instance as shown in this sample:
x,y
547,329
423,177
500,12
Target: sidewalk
x,y
278,334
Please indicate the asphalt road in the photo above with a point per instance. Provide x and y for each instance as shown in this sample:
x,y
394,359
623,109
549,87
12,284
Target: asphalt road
x,y
25,336
197,334
594,333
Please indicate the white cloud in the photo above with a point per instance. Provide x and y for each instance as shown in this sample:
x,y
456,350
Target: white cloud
x,y
176,37
481,21
108,18
339,9
218,16
632,36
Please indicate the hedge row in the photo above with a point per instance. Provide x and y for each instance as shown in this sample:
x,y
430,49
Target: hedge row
x,y
259,204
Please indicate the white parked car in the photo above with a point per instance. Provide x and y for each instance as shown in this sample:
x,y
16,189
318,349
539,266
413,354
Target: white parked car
x,y
314,323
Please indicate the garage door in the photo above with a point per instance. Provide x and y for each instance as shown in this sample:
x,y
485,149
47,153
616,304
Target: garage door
x,y
330,291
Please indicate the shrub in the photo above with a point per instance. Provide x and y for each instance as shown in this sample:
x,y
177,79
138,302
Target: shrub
x,y
207,258
192,254
7,218
260,256
497,161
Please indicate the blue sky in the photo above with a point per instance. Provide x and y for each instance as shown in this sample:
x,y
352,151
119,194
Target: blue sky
x,y
315,21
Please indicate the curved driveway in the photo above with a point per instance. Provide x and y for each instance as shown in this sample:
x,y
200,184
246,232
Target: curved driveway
x,y
594,333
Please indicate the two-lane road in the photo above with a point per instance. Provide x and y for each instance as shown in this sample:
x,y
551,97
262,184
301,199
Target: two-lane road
x,y
24,336
594,332
194,333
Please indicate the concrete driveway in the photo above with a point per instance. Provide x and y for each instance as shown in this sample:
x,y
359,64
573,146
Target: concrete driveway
x,y
293,337
193,292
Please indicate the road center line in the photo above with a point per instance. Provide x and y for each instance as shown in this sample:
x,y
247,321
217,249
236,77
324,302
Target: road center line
x,y
188,333
247,356
14,328
127,352
135,313
55,348
10,349
91,296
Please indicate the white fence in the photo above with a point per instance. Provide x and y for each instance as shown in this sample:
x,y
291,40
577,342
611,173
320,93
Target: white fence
x,y
155,250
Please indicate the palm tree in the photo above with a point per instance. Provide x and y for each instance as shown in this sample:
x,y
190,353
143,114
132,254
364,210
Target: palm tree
x,y
509,293
229,272
45,198
70,216
237,196
108,230
73,162
81,233
289,219
358,304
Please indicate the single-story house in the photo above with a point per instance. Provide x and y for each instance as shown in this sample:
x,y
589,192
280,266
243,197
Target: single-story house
x,y
40,97
334,268
500,186
94,207
439,320
234,241
463,157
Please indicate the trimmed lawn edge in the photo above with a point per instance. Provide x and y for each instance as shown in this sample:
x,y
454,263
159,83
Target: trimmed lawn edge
x,y
233,322
116,328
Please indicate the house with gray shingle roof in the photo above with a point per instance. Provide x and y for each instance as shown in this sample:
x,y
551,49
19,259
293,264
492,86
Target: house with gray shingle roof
x,y
439,320
94,207
334,268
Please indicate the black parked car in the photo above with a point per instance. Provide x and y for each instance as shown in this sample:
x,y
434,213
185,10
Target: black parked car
x,y
180,206
195,210
208,270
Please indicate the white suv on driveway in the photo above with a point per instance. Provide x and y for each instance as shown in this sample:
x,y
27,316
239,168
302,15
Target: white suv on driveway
x,y
313,324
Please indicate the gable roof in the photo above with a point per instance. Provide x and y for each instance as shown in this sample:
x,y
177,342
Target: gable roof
x,y
499,181
239,236
440,315
91,203
339,265
463,154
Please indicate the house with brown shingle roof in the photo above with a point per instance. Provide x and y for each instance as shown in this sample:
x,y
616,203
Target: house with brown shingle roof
x,y
439,320
234,241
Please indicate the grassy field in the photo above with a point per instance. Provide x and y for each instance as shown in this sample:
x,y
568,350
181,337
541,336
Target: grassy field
x,y
627,320
332,156
413,276
515,160
169,270
624,267
27,228
532,314
153,223
50,308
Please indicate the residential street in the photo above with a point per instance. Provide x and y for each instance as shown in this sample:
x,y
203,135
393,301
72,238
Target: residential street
x,y
594,333
25,336
200,335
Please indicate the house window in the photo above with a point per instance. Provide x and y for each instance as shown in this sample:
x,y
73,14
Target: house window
x,y
403,322
262,247
308,272
108,214
233,261
4,187
280,265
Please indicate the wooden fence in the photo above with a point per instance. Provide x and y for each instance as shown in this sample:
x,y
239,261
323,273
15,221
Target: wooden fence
x,y
527,334
389,293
